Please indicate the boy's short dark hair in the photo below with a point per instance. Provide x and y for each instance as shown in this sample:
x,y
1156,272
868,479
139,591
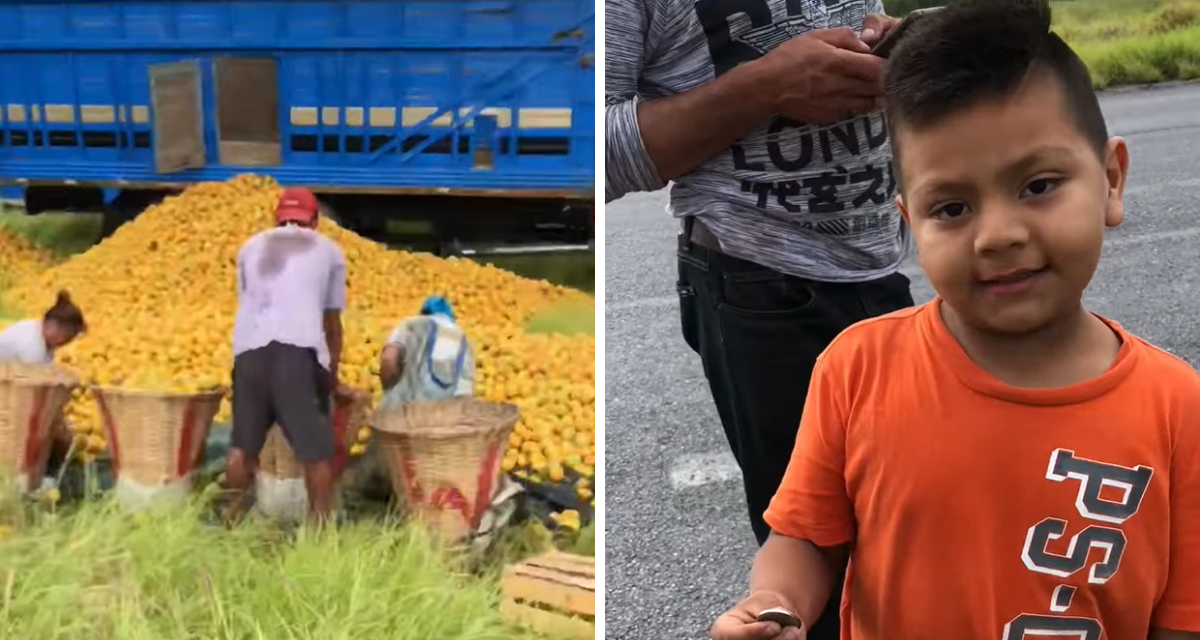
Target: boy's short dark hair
x,y
977,50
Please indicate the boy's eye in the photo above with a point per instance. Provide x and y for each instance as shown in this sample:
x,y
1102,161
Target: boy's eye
x,y
1040,187
950,211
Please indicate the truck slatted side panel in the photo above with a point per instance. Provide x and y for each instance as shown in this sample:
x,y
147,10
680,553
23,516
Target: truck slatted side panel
x,y
383,95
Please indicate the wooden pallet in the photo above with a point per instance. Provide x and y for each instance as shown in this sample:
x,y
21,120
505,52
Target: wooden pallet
x,y
553,594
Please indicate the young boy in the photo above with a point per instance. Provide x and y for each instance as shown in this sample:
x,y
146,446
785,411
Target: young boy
x,y
998,463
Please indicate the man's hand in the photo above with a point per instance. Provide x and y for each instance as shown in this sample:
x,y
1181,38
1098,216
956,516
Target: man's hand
x,y
741,622
876,26
824,76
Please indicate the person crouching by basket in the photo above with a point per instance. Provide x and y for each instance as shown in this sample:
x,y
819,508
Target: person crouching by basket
x,y
35,341
287,343
427,357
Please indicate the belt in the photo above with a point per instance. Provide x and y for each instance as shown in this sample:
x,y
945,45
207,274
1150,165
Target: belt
x,y
698,233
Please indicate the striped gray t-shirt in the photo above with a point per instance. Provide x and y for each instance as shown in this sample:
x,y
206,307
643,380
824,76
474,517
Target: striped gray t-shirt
x,y
815,202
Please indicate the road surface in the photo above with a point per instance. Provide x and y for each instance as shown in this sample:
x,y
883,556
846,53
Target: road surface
x,y
677,541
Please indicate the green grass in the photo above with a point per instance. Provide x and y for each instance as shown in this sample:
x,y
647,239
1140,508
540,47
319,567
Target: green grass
x,y
567,319
63,234
575,269
96,572
1127,42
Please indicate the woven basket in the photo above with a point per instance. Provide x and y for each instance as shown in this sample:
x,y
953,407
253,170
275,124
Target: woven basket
x,y
155,437
444,458
349,415
32,397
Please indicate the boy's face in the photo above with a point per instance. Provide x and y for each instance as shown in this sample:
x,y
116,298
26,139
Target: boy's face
x,y
1008,203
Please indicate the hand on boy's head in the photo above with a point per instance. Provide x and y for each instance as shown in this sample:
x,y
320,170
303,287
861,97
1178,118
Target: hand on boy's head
x,y
876,26
741,622
824,76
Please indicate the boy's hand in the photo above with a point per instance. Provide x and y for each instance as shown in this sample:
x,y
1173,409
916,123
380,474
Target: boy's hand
x,y
741,622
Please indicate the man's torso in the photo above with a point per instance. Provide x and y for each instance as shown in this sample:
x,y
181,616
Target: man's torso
x,y
812,201
982,517
287,273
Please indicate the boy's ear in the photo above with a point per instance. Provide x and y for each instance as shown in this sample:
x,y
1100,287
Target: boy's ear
x,y
903,210
1116,170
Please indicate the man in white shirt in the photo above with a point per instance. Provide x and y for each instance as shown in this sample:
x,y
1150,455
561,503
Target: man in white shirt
x,y
287,342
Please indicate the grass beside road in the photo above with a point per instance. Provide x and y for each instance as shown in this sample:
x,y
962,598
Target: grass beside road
x,y
1128,42
95,572
63,234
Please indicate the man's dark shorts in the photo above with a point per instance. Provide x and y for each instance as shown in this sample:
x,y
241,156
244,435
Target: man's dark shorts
x,y
284,384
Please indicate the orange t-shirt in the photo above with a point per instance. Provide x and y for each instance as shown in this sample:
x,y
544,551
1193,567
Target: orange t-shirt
x,y
981,511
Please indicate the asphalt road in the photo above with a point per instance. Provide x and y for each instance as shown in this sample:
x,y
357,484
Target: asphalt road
x,y
677,542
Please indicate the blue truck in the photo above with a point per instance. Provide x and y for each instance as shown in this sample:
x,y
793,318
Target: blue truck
x,y
477,117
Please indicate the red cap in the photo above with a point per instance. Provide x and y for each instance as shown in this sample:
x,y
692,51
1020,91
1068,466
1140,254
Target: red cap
x,y
296,205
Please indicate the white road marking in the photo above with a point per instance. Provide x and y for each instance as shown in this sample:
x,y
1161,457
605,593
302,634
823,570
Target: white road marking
x,y
699,469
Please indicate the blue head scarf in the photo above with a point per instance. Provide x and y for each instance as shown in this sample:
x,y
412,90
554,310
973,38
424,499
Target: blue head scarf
x,y
437,304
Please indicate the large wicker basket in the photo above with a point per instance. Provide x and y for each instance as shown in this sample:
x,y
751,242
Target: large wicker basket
x,y
444,459
32,397
350,413
155,437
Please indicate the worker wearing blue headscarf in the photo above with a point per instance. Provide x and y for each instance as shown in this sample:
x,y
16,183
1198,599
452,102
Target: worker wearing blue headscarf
x,y
427,357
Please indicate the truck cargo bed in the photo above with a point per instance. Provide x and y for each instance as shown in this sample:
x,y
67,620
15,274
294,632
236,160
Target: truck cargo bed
x,y
380,96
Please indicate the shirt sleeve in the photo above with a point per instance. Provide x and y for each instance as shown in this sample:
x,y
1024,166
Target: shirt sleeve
x,y
811,502
335,297
399,335
1179,608
627,166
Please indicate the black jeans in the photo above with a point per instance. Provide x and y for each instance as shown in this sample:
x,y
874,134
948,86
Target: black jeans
x,y
758,333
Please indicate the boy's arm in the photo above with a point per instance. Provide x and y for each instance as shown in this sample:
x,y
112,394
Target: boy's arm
x,y
811,515
782,559
1177,615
